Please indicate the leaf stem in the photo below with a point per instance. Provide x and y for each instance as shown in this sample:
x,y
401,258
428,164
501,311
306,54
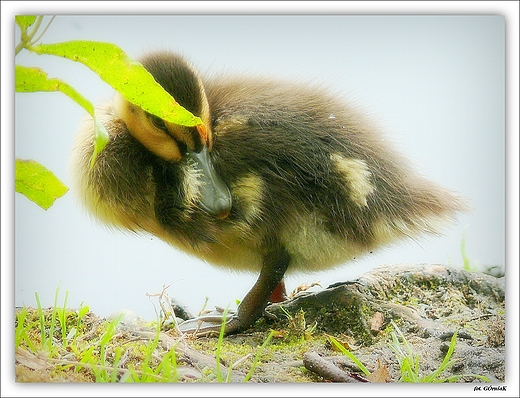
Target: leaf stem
x,y
44,29
25,38
36,26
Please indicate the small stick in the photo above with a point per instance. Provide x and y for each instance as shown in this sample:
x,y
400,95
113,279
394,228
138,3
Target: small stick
x,y
313,362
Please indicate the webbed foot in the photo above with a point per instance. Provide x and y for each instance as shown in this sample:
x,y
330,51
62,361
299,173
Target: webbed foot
x,y
211,323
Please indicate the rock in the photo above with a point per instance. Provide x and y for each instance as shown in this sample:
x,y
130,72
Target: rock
x,y
428,302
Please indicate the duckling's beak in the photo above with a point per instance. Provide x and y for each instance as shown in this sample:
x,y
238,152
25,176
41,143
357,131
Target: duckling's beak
x,y
215,197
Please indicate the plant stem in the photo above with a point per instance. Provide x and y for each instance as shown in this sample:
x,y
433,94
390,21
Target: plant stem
x,y
27,38
44,29
35,28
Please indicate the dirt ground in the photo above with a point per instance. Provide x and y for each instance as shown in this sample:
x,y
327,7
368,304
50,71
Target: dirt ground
x,y
420,305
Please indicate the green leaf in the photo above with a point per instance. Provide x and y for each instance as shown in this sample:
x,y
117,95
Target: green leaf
x,y
38,183
32,79
100,139
24,21
125,75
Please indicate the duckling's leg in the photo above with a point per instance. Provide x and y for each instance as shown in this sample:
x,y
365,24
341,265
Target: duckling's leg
x,y
252,306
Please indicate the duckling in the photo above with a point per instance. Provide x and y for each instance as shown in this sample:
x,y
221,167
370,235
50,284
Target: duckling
x,y
287,177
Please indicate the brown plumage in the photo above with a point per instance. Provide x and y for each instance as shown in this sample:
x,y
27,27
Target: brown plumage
x,y
295,179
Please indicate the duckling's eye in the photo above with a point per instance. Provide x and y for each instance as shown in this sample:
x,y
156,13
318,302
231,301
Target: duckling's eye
x,y
158,122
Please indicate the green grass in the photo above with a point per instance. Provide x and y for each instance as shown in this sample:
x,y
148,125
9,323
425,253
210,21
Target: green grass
x,y
219,347
338,346
474,265
409,363
78,345
63,342
220,378
465,260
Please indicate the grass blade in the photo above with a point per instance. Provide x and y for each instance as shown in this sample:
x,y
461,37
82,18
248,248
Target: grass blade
x,y
340,347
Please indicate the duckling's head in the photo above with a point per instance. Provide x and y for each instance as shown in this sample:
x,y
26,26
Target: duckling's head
x,y
171,142
167,140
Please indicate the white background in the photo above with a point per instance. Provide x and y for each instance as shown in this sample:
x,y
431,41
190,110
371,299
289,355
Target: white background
x,y
435,83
